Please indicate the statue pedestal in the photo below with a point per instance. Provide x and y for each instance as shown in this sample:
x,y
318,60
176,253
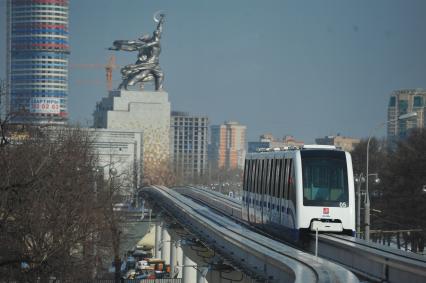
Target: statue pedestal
x,y
147,111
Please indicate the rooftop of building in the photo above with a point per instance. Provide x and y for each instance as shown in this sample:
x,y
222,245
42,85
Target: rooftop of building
x,y
186,114
409,91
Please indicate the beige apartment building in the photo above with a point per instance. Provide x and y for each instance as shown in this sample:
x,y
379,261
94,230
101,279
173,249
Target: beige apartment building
x,y
345,143
227,147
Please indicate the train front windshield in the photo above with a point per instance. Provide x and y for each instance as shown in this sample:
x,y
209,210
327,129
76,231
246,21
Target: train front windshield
x,y
325,178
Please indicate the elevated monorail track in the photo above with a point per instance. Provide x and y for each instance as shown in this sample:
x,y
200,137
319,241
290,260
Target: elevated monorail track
x,y
371,261
264,258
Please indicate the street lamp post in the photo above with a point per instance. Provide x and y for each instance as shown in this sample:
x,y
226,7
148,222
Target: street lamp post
x,y
367,196
359,180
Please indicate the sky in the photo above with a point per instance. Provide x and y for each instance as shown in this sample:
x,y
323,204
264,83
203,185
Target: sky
x,y
302,68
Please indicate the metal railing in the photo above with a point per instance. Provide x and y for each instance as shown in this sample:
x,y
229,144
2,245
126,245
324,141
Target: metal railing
x,y
163,280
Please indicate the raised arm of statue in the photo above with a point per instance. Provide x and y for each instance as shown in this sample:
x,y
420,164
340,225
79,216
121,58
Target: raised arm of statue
x,y
160,23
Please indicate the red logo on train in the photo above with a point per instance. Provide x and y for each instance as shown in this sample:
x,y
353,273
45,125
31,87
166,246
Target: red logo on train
x,y
325,210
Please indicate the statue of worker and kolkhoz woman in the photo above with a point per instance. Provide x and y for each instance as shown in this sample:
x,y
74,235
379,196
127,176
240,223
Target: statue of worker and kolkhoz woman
x,y
147,67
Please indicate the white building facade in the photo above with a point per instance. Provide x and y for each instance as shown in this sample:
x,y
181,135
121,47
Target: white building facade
x,y
119,151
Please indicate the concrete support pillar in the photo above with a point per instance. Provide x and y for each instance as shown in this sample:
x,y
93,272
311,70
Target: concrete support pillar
x,y
158,235
189,271
165,249
179,258
173,249
201,278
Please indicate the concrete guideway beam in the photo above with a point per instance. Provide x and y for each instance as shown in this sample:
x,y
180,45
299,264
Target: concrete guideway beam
x,y
259,256
370,260
374,261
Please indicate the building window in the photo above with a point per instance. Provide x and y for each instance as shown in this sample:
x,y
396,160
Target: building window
x,y
418,101
403,106
392,101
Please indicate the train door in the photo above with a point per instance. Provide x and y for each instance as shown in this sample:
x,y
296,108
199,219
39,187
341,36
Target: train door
x,y
292,204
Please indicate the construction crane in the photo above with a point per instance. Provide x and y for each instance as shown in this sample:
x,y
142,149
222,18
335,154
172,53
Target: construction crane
x,y
108,69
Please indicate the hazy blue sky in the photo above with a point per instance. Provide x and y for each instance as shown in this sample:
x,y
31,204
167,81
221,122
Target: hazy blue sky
x,y
305,68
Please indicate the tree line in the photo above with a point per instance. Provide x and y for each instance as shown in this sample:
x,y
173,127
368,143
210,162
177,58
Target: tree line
x,y
398,202
56,209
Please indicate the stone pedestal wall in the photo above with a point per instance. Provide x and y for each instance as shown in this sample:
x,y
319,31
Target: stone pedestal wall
x,y
148,111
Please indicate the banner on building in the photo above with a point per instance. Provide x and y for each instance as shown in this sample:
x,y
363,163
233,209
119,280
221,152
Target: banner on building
x,y
45,105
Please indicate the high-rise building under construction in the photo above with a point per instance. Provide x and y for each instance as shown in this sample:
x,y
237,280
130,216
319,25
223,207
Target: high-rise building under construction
x,y
37,61
402,102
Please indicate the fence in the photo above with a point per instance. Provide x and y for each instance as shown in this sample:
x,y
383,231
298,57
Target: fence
x,y
164,280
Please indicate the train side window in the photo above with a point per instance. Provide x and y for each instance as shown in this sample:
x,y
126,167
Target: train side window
x,y
256,165
291,185
285,175
268,180
245,175
274,171
256,182
259,175
274,178
249,174
253,175
271,186
272,174
278,178
261,179
282,173
264,162
264,176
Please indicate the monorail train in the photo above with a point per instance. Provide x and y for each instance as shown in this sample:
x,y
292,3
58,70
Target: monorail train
x,y
290,192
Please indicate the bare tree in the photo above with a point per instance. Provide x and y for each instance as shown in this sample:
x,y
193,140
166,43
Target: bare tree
x,y
112,220
47,205
398,201
4,117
